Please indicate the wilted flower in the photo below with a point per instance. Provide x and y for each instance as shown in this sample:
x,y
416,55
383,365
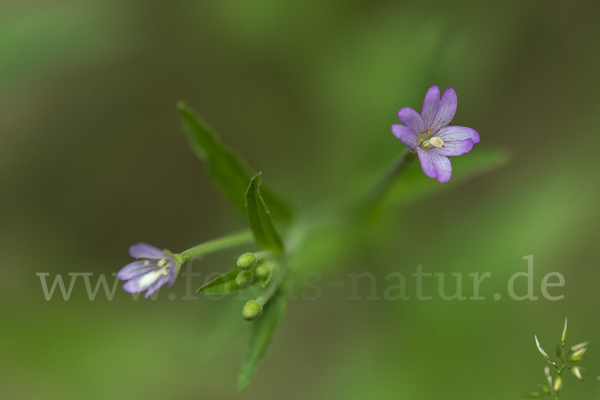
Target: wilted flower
x,y
155,268
429,135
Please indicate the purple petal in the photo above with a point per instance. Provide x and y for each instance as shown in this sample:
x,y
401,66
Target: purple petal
x,y
456,133
426,163
430,105
132,287
142,282
435,165
156,285
136,268
144,250
412,119
455,148
446,110
406,135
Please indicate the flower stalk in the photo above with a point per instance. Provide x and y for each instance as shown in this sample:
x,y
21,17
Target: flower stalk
x,y
222,243
396,170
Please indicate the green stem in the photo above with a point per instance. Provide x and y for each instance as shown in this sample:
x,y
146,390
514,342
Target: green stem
x,y
560,371
222,243
394,172
272,288
264,254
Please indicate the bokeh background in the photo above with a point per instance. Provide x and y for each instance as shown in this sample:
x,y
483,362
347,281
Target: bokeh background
x,y
92,159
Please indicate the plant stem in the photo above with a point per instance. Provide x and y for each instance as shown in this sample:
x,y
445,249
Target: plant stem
x,y
264,254
394,172
272,288
222,243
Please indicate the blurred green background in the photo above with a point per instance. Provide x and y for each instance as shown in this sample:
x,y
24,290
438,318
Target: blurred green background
x,y
92,159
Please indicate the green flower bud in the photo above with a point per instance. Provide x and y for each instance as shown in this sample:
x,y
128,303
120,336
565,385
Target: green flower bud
x,y
577,372
557,384
244,278
564,335
578,355
246,261
262,271
252,310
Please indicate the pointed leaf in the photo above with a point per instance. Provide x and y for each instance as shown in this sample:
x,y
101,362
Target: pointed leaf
x,y
222,285
260,337
260,219
226,168
413,184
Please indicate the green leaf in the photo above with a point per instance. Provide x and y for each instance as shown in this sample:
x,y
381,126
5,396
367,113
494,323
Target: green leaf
x,y
222,285
414,184
260,337
226,168
260,219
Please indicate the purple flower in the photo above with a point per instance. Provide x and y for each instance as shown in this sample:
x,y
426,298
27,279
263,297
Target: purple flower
x,y
155,268
430,136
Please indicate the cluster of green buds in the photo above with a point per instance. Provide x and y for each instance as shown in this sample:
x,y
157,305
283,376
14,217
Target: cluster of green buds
x,y
568,361
253,269
250,269
246,263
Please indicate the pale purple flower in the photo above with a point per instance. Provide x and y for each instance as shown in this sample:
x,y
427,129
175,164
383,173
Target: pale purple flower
x,y
155,268
430,136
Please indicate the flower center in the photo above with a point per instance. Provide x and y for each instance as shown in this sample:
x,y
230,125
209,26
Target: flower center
x,y
149,278
436,141
163,264
427,142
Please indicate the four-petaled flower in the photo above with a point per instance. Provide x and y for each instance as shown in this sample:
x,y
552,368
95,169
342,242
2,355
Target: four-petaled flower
x,y
155,268
430,136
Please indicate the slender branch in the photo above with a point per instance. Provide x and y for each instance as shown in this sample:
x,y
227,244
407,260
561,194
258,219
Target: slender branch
x,y
394,172
272,288
222,243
